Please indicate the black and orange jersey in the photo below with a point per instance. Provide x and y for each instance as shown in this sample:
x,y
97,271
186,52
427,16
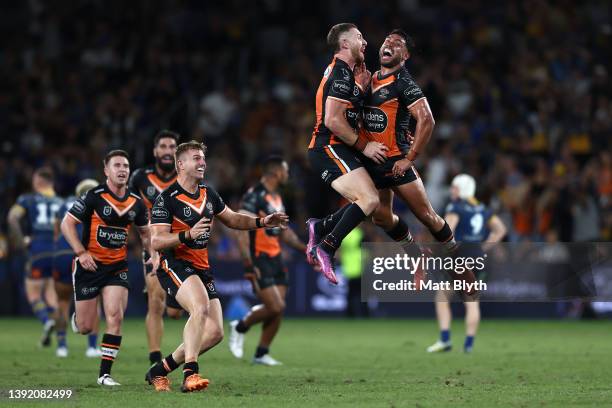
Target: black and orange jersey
x,y
181,210
338,83
106,221
386,114
261,202
148,184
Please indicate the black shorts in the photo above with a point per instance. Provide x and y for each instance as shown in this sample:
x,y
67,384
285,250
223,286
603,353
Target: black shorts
x,y
333,161
382,174
272,272
173,273
88,284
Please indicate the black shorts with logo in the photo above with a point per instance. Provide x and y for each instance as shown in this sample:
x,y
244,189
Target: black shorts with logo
x,y
333,161
173,272
89,284
272,271
382,174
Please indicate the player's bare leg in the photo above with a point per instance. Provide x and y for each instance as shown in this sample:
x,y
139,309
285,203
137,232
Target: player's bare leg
x,y
86,313
213,335
173,312
192,296
357,187
415,196
154,320
397,230
114,302
271,308
444,316
64,298
472,320
41,305
268,333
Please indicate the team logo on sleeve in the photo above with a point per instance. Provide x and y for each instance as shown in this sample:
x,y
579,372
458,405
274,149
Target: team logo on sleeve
x,y
78,206
345,74
341,86
159,212
412,91
107,210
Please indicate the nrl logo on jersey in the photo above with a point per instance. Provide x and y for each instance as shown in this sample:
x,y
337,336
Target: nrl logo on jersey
x,y
209,206
151,191
384,93
356,91
131,215
187,211
107,210
345,74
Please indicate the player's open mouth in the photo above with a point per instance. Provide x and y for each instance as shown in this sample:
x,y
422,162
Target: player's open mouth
x,y
387,52
167,158
200,169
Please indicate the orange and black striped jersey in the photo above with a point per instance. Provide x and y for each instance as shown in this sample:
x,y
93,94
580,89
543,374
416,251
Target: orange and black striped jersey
x,y
148,184
181,210
106,221
386,114
261,202
338,83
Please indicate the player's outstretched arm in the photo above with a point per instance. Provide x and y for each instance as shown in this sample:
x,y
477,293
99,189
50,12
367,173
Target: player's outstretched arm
x,y
243,241
239,221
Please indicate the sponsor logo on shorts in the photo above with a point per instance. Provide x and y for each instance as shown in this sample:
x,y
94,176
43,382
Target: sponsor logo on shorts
x,y
87,291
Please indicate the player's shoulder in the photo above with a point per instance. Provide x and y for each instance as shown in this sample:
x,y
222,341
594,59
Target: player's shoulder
x,y
96,191
172,191
134,193
142,172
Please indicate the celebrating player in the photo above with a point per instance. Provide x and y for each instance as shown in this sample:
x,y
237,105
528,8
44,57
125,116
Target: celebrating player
x,y
472,223
62,276
335,144
39,208
395,107
148,182
106,212
261,254
181,222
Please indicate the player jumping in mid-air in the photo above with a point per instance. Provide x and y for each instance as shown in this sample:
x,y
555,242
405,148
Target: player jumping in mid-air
x,y
148,182
472,223
62,276
181,221
261,254
396,107
336,143
39,209
100,267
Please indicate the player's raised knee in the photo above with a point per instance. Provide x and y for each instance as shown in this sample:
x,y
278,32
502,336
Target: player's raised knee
x,y
277,307
368,203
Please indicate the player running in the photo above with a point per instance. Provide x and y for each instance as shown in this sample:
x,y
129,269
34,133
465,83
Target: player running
x,y
39,210
335,144
181,221
261,254
473,223
62,276
100,267
148,182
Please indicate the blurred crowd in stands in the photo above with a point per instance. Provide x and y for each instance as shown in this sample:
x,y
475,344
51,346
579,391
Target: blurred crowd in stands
x,y
520,92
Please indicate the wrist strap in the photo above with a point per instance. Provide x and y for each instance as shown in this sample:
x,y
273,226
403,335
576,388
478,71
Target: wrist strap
x,y
182,237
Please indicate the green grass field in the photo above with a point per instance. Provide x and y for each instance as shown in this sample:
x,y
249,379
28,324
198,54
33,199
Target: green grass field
x,y
341,363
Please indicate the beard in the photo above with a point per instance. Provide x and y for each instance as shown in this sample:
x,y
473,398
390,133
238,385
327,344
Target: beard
x,y
356,54
392,62
165,166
